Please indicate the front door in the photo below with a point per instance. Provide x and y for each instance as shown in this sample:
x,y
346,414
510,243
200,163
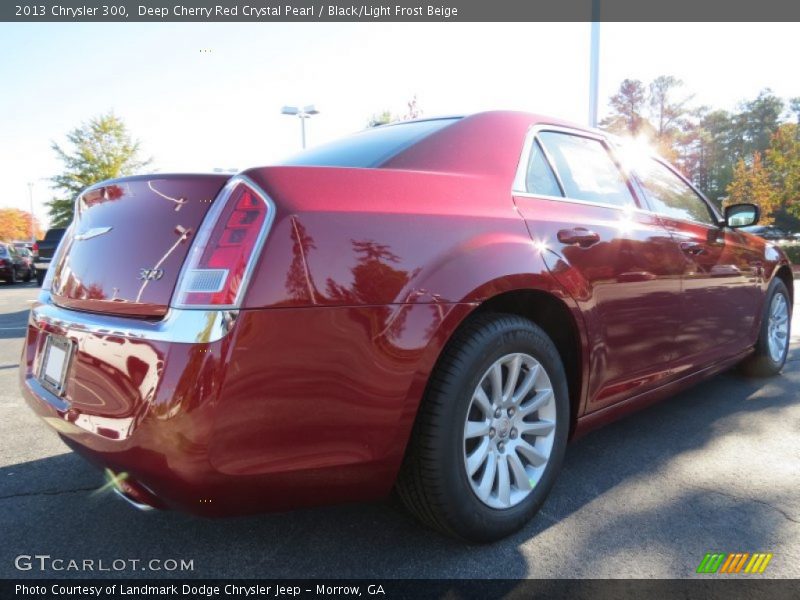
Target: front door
x,y
720,275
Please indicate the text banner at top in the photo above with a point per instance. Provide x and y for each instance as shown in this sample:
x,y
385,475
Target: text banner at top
x,y
400,11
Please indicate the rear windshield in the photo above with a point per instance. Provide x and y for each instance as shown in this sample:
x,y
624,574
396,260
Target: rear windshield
x,y
3,251
54,234
369,148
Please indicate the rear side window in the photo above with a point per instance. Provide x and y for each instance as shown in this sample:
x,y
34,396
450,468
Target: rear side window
x,y
369,148
586,169
539,177
671,196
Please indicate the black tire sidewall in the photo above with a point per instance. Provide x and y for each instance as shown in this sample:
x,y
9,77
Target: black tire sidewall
x,y
478,521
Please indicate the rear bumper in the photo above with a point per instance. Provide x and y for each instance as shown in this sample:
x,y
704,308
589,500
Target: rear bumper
x,y
138,395
221,414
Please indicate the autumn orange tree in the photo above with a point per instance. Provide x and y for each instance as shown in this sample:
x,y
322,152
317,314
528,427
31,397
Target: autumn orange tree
x,y
783,162
751,183
15,224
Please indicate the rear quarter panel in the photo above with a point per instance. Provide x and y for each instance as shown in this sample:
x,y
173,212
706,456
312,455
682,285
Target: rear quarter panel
x,y
384,266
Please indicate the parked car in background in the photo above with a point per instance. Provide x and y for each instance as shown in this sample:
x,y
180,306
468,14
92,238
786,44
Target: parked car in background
x,y
27,256
771,233
435,306
15,263
45,249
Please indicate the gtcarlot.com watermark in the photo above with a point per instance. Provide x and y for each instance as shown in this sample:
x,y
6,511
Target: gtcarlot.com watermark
x,y
46,563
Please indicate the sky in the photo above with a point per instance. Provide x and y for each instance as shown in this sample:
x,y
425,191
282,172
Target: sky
x,y
203,96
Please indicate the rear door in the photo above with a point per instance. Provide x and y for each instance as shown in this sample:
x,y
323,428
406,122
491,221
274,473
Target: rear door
x,y
720,275
615,259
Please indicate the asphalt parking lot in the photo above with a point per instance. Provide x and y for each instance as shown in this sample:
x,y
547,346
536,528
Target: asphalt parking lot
x,y
716,468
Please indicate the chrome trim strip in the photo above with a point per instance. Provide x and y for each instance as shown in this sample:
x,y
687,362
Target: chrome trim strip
x,y
180,326
632,178
204,232
92,233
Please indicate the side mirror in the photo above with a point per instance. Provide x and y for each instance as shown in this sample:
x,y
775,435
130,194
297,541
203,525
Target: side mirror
x,y
741,215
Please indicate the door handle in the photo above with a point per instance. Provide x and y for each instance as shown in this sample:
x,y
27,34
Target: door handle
x,y
578,236
693,248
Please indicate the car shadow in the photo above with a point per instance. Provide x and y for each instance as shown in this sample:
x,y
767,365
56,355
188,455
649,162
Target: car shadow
x,y
619,495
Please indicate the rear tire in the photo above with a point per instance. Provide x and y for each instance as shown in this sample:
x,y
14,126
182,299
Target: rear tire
x,y
772,346
28,276
497,370
13,277
39,277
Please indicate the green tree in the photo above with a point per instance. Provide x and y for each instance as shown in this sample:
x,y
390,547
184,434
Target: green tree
x,y
627,108
413,111
99,149
756,122
382,118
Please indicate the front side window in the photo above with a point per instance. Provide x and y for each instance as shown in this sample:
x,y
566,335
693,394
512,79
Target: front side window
x,y
671,196
586,169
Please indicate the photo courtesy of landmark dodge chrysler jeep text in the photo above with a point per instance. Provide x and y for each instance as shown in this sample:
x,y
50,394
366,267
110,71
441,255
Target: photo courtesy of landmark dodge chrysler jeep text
x,y
435,306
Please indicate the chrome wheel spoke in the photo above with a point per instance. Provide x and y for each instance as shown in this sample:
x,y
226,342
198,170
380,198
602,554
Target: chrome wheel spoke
x,y
481,400
513,376
487,479
478,457
541,398
536,427
531,454
503,481
476,429
526,386
496,380
521,479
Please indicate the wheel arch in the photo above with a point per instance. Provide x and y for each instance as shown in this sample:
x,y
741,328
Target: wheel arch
x,y
561,325
556,314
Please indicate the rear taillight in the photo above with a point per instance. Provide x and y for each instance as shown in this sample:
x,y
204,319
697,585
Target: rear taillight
x,y
2,262
226,248
35,248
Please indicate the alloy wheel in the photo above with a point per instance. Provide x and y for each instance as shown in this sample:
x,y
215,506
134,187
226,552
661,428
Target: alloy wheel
x,y
778,327
509,430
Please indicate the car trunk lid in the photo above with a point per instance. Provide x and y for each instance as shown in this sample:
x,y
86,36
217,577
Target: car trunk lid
x,y
124,251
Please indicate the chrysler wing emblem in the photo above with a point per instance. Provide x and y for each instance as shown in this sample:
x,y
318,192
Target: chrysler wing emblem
x,y
93,232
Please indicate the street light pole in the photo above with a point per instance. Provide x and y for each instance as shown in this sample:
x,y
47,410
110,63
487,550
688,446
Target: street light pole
x,y
30,199
594,63
303,113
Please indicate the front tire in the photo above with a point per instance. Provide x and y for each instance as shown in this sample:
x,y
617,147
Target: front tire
x,y
491,432
772,346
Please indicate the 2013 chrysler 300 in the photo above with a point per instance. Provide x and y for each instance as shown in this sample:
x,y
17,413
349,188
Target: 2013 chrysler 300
x,y
435,306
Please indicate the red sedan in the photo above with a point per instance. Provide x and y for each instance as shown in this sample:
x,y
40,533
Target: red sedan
x,y
435,306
